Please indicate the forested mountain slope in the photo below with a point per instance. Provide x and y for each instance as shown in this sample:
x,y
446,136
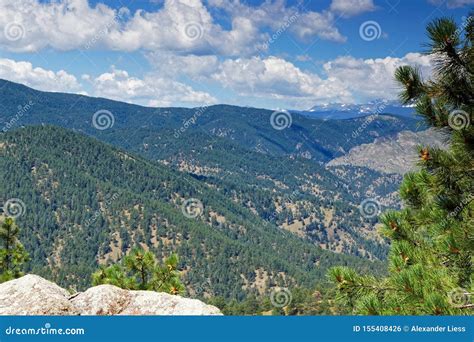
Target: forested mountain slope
x,y
86,203
278,174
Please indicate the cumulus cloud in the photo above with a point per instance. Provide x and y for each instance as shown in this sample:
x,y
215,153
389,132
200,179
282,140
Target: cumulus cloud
x,y
370,79
192,66
185,27
153,91
302,24
117,84
39,78
344,79
179,26
277,78
351,8
314,24
30,25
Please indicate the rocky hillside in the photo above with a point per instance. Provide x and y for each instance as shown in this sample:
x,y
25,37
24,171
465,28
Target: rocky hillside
x,y
33,295
390,154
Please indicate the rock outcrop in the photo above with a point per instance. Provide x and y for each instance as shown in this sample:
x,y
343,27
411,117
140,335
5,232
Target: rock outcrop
x,y
111,300
33,295
391,154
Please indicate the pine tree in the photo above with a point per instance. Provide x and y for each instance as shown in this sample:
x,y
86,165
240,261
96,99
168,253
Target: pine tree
x,y
12,253
140,270
430,264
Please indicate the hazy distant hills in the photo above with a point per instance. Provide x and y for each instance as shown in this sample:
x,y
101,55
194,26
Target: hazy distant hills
x,y
250,128
341,111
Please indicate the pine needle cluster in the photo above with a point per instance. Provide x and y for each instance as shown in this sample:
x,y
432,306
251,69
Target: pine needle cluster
x,y
430,264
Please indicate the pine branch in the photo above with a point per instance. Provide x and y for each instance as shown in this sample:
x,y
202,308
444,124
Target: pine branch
x,y
466,306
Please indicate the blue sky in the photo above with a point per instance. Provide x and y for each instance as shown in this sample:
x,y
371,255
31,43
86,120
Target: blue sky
x,y
273,53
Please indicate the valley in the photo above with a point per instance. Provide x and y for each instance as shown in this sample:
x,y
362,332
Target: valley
x,y
275,206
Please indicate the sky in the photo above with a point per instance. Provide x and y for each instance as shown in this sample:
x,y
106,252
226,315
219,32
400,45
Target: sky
x,y
270,54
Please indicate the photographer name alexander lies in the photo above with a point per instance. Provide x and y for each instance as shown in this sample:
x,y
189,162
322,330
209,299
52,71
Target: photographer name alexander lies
x,y
437,328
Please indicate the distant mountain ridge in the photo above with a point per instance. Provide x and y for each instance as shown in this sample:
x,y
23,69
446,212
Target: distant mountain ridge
x,y
340,111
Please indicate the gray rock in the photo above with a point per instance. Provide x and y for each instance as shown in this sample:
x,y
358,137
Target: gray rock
x,y
33,295
111,300
391,154
101,300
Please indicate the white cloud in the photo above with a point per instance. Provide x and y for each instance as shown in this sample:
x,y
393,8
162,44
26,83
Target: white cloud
x,y
30,25
38,78
184,27
369,79
191,66
349,8
117,84
344,79
275,15
150,90
314,24
277,78
179,26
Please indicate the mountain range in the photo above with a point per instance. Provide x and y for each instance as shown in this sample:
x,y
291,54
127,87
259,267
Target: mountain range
x,y
268,202
333,111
